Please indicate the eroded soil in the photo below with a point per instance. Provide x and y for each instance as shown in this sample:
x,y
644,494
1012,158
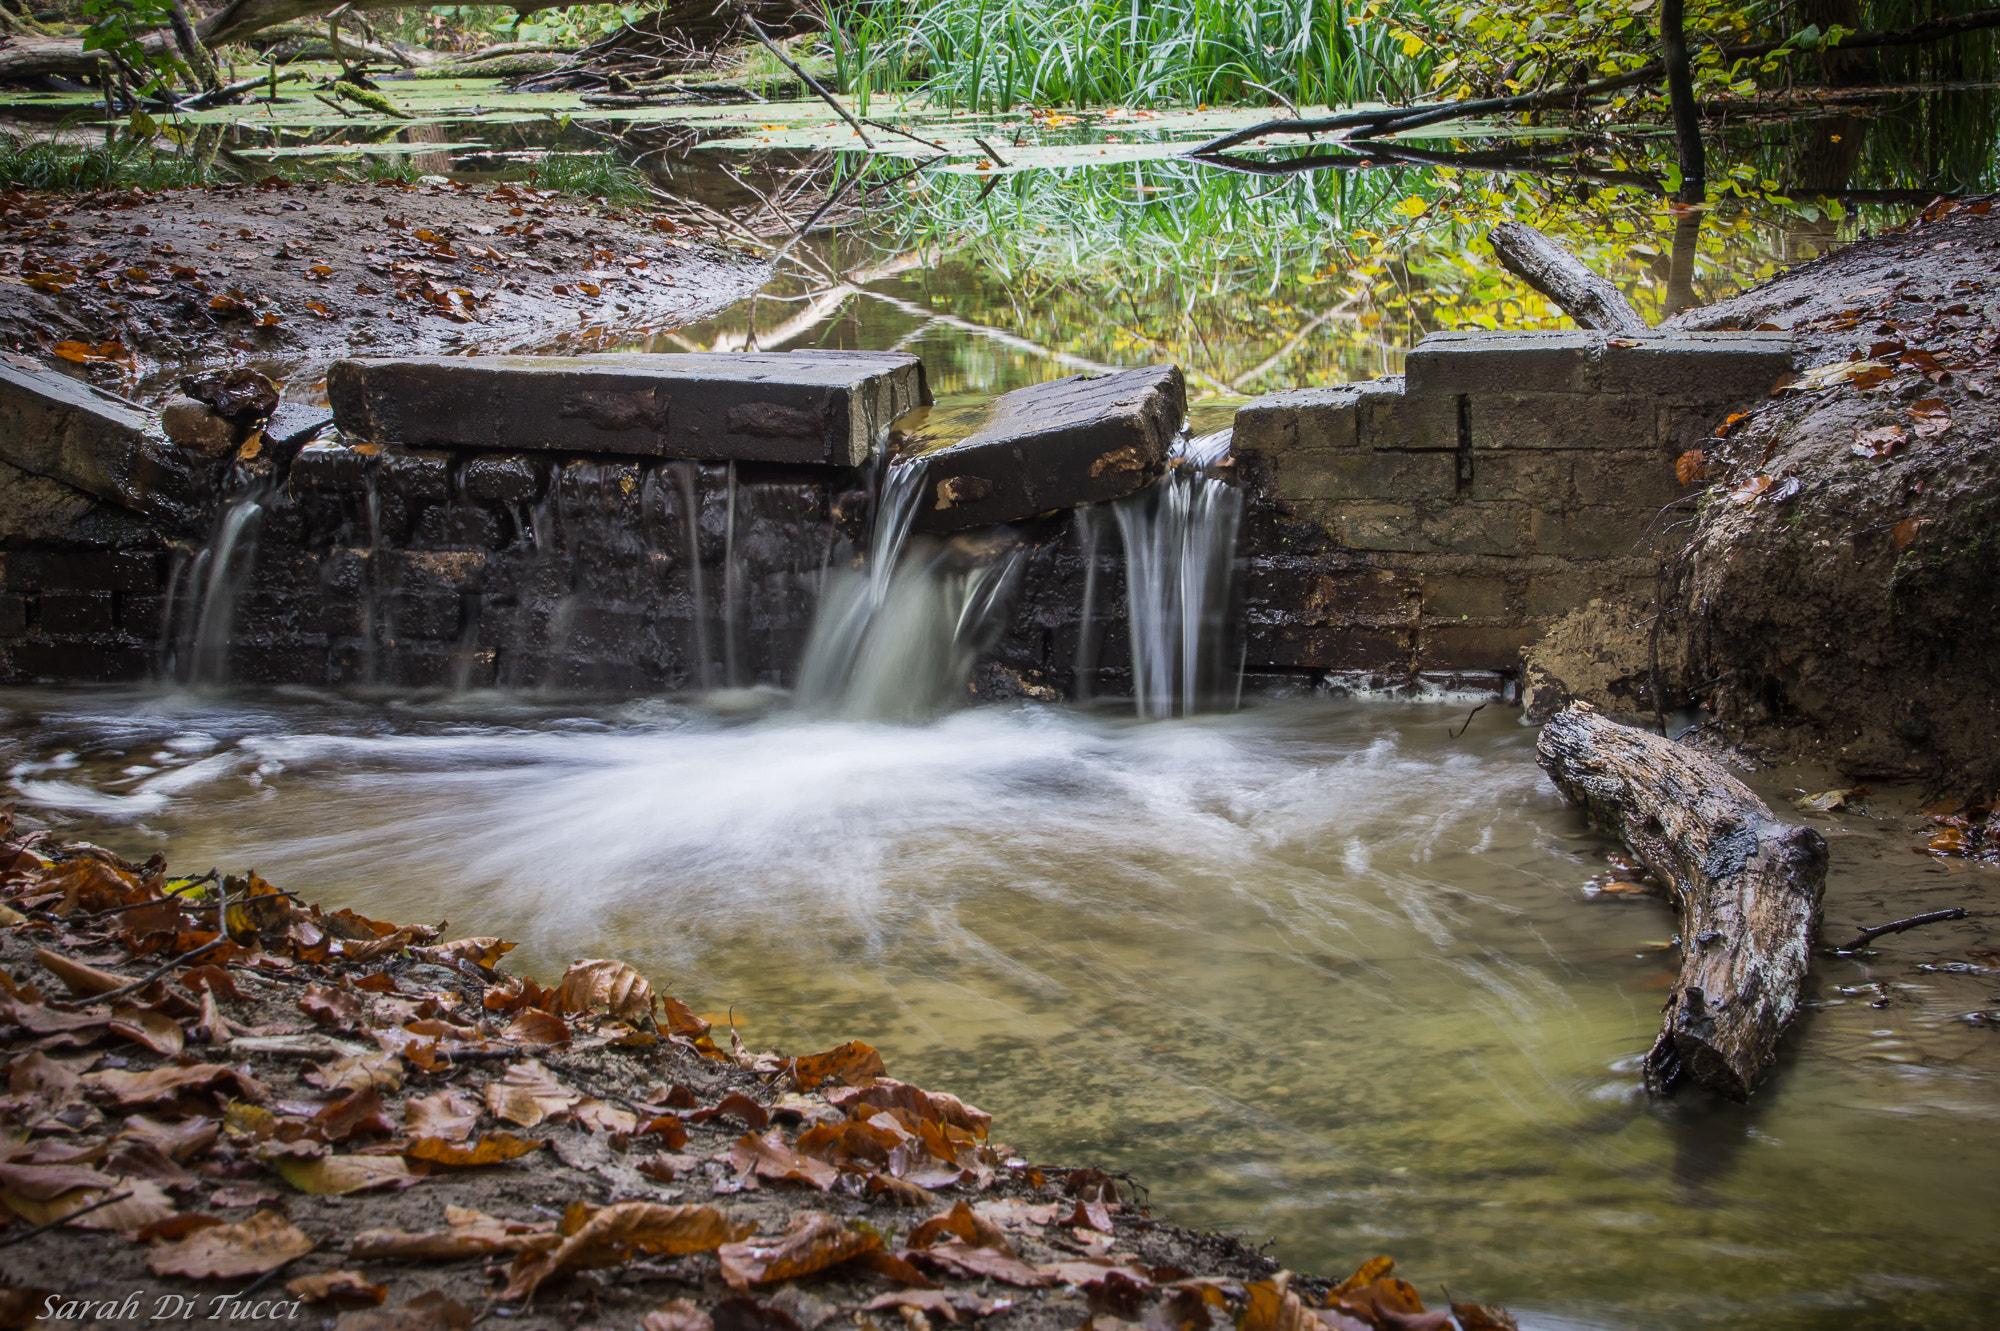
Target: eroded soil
x,y
290,277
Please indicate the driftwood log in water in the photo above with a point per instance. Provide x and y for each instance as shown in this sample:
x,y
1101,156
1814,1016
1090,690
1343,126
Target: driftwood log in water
x,y
1747,886
1591,300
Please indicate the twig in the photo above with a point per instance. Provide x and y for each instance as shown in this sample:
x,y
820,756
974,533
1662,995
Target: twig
x,y
1286,101
1867,936
991,151
25,1235
928,143
181,960
806,78
1468,722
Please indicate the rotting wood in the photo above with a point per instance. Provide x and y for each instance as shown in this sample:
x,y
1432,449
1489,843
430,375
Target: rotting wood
x,y
1747,885
1591,300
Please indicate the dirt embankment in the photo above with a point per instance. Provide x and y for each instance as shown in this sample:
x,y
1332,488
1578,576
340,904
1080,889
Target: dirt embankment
x,y
1839,597
137,287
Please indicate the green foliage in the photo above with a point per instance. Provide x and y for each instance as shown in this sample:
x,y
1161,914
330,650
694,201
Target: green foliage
x,y
118,27
127,162
603,175
999,54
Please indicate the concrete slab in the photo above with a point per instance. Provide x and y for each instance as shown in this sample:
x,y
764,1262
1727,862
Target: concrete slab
x,y
67,430
1062,444
828,408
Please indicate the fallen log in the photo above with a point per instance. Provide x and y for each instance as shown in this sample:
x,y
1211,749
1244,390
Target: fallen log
x,y
1593,301
1747,886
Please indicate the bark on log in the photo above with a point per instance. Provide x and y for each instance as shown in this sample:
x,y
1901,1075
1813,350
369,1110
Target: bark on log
x,y
1552,270
1748,888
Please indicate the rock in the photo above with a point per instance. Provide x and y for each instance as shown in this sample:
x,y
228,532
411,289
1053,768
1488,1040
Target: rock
x,y
811,407
52,425
194,424
1062,444
242,394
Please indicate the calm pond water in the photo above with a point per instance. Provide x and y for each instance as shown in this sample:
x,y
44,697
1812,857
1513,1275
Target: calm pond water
x,y
1313,971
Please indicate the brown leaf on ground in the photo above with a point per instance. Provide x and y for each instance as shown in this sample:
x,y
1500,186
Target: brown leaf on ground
x,y
769,1157
142,1204
537,1030
526,1094
673,1133
1690,466
40,1183
682,1024
678,1315
1928,416
427,1312
977,1263
1483,1317
1879,442
1384,1298
338,1290
1269,1305
139,1159
1187,1310
945,1303
485,953
383,1071
176,1226
491,1149
962,1222
1091,1215
1905,532
852,1144
82,981
362,953
852,1064
333,1008
1367,1273
167,1083
36,1074
933,1105
745,1314
468,1233
339,1175
181,1141
619,1232
212,979
600,1117
357,1112
517,993
604,985
900,1191
262,1243
814,1242
738,1106
449,1115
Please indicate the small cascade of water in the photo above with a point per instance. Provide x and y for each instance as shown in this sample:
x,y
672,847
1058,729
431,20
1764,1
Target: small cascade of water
x,y
1089,529
896,639
201,610
732,589
684,475
1180,563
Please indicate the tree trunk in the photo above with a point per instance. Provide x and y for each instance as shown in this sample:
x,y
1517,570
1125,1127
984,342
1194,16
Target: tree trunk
x,y
1552,270
1748,888
1680,96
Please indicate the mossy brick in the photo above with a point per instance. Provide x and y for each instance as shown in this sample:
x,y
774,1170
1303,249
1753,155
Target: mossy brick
x,y
1539,476
80,570
1473,646
1532,420
1325,474
1696,367
1487,363
72,613
1467,528
416,473
809,407
1378,410
1367,524
1597,532
508,479
1062,444
1624,478
1465,596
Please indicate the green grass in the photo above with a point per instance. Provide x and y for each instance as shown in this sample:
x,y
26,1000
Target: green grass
x,y
995,55
603,175
39,163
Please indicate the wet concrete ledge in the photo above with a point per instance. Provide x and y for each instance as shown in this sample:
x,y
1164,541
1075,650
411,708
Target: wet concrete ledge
x,y
1427,527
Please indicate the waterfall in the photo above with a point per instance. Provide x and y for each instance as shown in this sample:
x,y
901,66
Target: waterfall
x,y
214,581
684,475
1180,558
896,639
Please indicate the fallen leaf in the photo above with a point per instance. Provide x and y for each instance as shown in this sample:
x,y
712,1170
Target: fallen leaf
x,y
1879,441
852,1064
1483,1317
262,1243
616,1233
167,1083
384,1071
1830,801
769,1157
537,1030
677,1315
81,980
604,985
468,1234
738,1106
1930,416
814,1242
1905,532
485,953
526,1094
339,1175
338,1289
449,1115
491,1149
1691,466
337,1009
988,1263
359,1111
935,1105
181,1141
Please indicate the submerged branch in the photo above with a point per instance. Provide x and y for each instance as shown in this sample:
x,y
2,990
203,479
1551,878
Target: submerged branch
x,y
1592,301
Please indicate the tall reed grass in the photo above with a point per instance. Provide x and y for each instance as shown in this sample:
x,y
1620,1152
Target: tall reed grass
x,y
996,55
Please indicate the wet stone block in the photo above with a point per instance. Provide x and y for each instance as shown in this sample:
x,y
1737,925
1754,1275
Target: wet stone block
x,y
77,612
329,466
811,407
1061,444
506,480
13,616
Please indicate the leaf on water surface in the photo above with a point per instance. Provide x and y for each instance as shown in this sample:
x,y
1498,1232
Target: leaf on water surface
x,y
339,1175
340,1290
604,985
449,1115
1879,441
262,1243
770,1158
491,1149
616,1233
1831,801
852,1064
814,1242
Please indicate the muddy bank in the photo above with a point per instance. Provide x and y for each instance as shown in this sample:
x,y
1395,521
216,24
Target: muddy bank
x,y
218,1094
1834,600
290,276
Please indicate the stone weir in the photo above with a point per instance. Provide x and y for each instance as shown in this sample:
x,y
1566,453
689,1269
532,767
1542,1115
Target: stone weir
x,y
643,523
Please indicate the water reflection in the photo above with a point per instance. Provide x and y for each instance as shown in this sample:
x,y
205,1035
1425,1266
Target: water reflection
x,y
1311,972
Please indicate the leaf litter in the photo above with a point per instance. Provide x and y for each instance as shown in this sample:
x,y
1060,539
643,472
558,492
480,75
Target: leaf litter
x,y
420,1140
